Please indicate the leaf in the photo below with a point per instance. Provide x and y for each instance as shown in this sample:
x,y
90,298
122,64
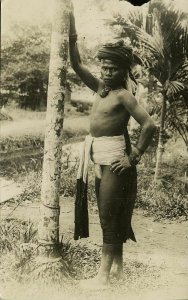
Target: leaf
x,y
173,87
166,50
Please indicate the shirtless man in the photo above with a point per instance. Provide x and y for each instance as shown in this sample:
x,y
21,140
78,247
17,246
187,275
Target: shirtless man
x,y
111,149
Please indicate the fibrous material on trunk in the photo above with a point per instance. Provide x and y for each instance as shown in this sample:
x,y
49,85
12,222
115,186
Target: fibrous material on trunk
x,y
49,222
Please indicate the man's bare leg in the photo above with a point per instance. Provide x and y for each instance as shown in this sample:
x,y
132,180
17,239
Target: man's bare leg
x,y
112,199
109,191
106,256
102,278
117,267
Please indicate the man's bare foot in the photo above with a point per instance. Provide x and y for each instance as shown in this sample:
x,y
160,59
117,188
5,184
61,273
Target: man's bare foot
x,y
116,272
96,283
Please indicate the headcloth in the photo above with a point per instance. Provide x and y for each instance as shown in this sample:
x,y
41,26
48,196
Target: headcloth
x,y
119,53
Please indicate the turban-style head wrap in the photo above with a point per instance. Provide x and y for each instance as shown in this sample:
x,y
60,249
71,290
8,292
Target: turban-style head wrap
x,y
121,54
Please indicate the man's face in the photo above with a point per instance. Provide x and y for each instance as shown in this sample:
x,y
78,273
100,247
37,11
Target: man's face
x,y
111,73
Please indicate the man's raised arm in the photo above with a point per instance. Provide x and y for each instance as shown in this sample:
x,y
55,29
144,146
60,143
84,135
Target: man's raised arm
x,y
84,74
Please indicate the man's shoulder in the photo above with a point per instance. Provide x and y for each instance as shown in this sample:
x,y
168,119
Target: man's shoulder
x,y
124,94
126,98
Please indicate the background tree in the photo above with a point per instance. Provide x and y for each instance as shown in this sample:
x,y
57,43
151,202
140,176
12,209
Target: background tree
x,y
164,54
25,63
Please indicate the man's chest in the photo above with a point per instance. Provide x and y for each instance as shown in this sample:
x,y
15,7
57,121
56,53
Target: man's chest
x,y
106,106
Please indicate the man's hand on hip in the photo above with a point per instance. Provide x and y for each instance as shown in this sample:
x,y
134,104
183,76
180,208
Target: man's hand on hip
x,y
120,166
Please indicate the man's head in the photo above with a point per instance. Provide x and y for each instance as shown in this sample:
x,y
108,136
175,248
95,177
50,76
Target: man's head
x,y
112,73
116,60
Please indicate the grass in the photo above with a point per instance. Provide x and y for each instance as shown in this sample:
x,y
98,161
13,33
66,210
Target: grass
x,y
27,122
169,198
23,114
22,265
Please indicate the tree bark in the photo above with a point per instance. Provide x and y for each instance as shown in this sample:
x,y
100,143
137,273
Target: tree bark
x,y
49,221
160,147
149,20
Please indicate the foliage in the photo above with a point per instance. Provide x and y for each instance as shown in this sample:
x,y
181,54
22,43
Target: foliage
x,y
164,52
25,65
169,200
9,144
82,107
150,153
14,232
25,60
177,118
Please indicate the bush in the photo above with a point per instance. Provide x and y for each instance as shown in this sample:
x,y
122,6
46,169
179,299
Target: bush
x,y
14,232
150,153
9,144
68,181
167,200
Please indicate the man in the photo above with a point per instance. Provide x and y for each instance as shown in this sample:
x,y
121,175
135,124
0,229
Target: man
x,y
109,145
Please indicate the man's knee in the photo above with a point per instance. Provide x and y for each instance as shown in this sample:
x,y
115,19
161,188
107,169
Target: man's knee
x,y
112,236
111,228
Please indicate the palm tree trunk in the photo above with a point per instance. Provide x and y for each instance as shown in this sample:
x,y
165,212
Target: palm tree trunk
x,y
149,20
160,147
49,221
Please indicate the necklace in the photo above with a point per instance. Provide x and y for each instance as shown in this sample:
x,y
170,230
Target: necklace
x,y
105,91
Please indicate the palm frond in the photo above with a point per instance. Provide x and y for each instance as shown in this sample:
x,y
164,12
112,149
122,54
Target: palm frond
x,y
181,72
173,87
177,119
151,43
136,17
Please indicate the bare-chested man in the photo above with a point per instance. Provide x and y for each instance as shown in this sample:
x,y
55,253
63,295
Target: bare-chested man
x,y
114,158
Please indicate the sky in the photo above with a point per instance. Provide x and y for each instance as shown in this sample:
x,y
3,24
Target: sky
x,y
89,18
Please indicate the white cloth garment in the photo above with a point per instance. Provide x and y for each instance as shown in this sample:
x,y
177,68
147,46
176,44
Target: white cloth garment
x,y
102,151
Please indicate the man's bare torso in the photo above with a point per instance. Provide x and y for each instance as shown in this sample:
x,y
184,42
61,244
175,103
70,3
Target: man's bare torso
x,y
108,116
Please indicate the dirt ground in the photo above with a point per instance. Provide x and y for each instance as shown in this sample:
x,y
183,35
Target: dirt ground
x,y
160,245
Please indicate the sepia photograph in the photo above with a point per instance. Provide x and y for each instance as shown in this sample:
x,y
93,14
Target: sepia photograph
x,y
94,150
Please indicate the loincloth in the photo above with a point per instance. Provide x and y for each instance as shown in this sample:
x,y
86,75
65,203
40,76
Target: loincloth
x,y
106,149
102,151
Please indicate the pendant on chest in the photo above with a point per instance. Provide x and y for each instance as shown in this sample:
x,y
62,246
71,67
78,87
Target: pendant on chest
x,y
105,91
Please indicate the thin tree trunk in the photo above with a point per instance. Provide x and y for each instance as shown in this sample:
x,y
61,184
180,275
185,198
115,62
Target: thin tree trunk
x,y
160,147
149,20
50,210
